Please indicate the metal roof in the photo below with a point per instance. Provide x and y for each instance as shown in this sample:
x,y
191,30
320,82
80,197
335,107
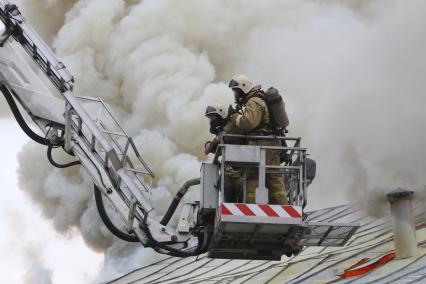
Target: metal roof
x,y
314,265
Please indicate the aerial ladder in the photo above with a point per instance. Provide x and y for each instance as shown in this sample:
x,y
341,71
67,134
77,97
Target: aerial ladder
x,y
85,127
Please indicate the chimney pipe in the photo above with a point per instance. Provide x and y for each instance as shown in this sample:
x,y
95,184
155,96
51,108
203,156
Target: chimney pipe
x,y
404,229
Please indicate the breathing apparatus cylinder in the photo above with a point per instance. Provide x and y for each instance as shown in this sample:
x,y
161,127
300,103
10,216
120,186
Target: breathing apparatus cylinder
x,y
276,107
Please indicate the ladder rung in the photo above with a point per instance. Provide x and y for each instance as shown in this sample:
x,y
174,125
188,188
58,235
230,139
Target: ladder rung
x,y
114,133
137,171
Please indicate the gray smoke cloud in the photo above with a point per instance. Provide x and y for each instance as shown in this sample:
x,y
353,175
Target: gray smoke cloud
x,y
352,76
37,273
356,90
32,247
47,15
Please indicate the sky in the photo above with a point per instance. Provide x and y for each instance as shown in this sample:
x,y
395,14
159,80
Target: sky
x,y
32,251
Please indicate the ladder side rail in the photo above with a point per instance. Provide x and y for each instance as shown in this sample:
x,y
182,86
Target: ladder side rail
x,y
129,145
29,39
61,78
129,149
120,204
129,140
135,191
98,153
304,191
160,232
59,75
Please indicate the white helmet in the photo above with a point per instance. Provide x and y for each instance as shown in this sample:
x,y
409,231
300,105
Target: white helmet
x,y
241,82
216,109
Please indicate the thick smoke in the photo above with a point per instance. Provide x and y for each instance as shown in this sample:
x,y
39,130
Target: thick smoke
x,y
37,273
356,90
352,76
47,15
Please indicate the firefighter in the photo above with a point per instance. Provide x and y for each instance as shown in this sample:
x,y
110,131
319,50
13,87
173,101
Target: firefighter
x,y
255,120
220,124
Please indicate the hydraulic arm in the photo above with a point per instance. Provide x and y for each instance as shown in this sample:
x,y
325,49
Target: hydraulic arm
x,y
221,223
99,143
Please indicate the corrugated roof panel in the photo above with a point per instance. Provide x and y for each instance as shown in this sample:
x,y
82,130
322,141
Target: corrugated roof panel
x,y
374,238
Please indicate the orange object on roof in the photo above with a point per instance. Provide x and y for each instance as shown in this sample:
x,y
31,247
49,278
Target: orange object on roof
x,y
366,265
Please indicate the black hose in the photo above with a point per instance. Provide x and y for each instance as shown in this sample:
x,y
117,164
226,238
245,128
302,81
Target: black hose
x,y
201,246
61,166
21,121
172,208
34,136
107,221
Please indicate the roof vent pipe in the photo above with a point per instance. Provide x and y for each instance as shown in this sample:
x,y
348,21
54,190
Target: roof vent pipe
x,y
403,222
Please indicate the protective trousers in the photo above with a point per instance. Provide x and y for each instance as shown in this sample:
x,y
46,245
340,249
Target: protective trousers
x,y
274,182
232,185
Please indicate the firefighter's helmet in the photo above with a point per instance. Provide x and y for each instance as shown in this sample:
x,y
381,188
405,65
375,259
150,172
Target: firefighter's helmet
x,y
216,109
241,82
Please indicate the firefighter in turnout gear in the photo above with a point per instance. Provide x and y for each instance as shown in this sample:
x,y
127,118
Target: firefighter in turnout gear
x,y
255,120
220,124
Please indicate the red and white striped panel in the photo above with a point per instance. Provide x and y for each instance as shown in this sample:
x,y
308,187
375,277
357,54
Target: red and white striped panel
x,y
261,210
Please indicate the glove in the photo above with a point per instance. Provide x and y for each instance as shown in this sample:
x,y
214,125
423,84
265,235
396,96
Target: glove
x,y
208,147
285,157
231,111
